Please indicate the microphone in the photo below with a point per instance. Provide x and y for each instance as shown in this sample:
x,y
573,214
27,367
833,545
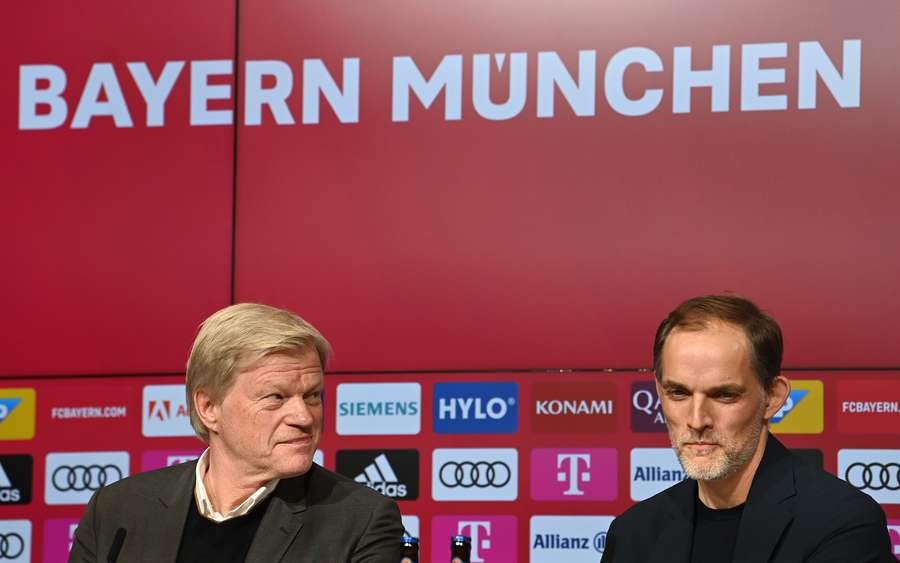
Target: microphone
x,y
116,546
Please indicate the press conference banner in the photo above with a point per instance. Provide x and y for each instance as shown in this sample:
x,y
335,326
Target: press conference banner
x,y
532,466
502,185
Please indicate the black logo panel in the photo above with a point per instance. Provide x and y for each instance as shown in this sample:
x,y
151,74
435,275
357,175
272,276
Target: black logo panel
x,y
393,473
15,479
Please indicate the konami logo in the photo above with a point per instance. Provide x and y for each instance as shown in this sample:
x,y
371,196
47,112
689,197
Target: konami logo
x,y
581,407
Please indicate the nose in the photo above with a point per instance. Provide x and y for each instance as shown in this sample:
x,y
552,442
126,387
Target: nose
x,y
698,417
299,413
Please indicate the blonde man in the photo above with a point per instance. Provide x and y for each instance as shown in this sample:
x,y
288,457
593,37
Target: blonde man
x,y
254,387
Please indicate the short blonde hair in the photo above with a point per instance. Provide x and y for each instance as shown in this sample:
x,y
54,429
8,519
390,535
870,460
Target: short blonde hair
x,y
236,337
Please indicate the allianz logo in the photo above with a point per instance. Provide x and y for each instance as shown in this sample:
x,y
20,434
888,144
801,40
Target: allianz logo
x,y
657,473
467,408
379,408
559,541
555,407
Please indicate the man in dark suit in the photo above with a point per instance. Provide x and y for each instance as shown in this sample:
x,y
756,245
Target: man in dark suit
x,y
254,390
748,500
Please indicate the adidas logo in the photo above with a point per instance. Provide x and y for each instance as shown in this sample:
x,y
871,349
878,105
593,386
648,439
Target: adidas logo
x,y
380,476
4,479
9,493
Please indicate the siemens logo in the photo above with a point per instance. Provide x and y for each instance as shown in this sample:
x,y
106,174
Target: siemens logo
x,y
476,408
378,409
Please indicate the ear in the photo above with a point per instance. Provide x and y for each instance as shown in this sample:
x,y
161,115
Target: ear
x,y
207,410
777,395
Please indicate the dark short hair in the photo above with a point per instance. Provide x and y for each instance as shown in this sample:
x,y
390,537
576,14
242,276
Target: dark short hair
x,y
761,330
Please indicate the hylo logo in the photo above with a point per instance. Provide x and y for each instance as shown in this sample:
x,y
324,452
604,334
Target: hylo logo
x,y
476,408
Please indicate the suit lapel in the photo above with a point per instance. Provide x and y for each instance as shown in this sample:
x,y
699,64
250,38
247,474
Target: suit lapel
x,y
673,545
769,507
282,521
165,522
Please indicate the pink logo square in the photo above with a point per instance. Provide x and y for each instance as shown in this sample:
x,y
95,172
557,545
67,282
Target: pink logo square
x,y
493,537
158,459
59,533
574,474
894,531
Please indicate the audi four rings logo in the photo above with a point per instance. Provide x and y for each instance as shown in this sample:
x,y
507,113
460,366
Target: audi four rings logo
x,y
72,477
480,474
475,474
84,477
11,545
874,476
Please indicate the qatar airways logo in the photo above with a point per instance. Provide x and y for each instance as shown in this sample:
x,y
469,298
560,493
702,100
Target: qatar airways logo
x,y
269,92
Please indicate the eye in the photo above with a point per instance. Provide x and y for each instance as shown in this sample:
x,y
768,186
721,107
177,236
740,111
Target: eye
x,y
275,396
676,393
313,398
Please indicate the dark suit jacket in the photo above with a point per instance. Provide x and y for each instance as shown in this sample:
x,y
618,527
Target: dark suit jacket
x,y
795,513
317,517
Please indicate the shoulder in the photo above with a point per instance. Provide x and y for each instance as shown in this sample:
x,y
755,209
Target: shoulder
x,y
659,507
325,485
822,496
149,482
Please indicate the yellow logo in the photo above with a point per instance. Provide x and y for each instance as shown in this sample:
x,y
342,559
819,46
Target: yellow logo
x,y
803,412
17,408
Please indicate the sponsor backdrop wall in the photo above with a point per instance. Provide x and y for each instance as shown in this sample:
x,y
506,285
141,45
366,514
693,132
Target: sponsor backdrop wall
x,y
486,208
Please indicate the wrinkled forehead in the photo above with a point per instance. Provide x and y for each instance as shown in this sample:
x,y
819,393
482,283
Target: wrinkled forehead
x,y
714,355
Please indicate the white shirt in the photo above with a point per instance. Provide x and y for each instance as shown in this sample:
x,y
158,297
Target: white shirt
x,y
205,507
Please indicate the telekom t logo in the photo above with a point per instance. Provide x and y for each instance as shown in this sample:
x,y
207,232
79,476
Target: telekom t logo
x,y
494,537
479,541
575,476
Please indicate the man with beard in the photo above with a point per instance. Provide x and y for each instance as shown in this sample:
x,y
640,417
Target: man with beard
x,y
748,499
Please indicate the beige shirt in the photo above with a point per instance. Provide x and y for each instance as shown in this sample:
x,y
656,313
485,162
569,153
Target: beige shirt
x,y
205,507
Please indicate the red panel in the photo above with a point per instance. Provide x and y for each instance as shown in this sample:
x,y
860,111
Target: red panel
x,y
116,240
563,242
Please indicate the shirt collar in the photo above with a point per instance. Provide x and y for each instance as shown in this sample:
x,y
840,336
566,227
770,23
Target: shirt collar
x,y
204,505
